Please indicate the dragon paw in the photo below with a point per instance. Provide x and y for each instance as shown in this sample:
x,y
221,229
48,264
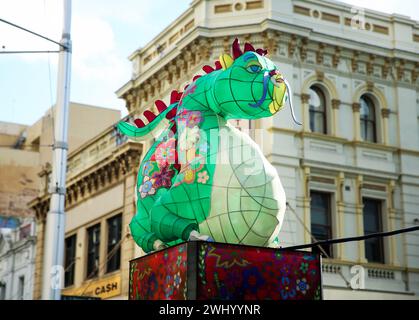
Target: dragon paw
x,y
196,236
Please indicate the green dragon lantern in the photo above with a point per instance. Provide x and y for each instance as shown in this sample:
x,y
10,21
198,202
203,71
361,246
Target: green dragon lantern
x,y
203,179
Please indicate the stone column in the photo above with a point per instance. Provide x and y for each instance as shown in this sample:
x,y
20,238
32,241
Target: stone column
x,y
305,97
103,248
335,116
80,265
306,203
391,219
384,116
340,215
360,218
357,125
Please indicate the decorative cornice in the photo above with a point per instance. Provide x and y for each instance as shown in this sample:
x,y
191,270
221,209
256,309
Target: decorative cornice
x,y
370,64
386,67
270,41
354,63
303,49
335,103
320,75
356,107
385,112
370,86
372,146
321,136
372,186
319,53
400,67
123,162
292,45
336,57
205,48
320,179
305,97
226,44
200,50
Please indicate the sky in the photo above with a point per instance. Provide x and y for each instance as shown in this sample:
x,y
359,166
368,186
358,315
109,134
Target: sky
x,y
104,34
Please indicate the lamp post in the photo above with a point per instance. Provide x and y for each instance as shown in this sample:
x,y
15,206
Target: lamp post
x,y
53,271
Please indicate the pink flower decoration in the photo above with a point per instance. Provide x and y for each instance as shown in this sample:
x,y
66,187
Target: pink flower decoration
x,y
166,153
203,177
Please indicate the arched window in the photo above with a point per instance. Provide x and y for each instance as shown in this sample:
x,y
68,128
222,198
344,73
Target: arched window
x,y
317,109
368,120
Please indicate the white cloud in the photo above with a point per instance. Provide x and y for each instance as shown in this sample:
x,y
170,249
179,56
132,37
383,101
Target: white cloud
x,y
127,11
94,50
98,68
104,33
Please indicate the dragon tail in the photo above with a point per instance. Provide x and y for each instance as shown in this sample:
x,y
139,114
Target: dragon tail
x,y
140,131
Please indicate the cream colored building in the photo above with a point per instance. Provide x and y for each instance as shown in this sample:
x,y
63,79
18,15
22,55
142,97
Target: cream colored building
x,y
26,149
100,186
17,259
340,159
25,156
19,165
351,169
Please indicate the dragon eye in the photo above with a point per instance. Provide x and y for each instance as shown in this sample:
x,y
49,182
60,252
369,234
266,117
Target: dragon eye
x,y
254,68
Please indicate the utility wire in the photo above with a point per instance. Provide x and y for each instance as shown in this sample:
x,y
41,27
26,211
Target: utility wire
x,y
32,32
343,240
359,238
27,145
313,238
109,256
29,51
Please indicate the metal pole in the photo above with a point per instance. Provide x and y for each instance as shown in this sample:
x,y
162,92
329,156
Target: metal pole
x,y
53,273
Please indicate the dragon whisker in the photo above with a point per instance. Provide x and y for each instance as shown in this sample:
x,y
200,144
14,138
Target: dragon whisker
x,y
266,78
289,93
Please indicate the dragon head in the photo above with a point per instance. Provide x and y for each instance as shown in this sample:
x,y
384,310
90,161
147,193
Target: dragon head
x,y
250,85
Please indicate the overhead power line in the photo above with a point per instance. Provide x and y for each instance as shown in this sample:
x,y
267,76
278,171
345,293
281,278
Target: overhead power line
x,y
97,268
32,32
313,238
24,146
29,51
359,238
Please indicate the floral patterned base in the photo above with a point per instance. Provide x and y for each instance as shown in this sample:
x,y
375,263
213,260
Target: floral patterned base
x,y
160,275
225,272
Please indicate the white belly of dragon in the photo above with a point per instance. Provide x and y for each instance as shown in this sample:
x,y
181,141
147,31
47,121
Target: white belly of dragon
x,y
248,200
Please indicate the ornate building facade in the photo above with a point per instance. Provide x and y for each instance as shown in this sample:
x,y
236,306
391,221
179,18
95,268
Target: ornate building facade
x,y
99,205
17,258
352,168
26,156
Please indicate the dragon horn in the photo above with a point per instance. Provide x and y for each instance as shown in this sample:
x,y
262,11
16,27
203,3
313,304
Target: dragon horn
x,y
262,52
237,52
248,47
